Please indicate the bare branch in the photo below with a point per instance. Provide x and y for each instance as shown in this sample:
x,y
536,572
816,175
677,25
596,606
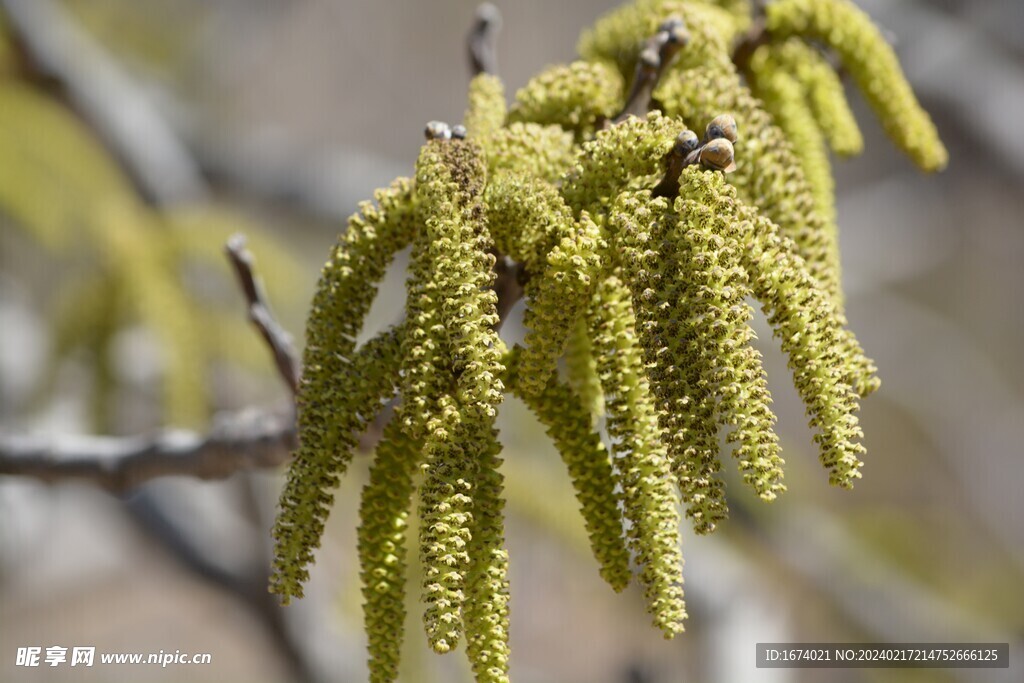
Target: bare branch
x,y
279,341
482,41
106,98
243,441
655,56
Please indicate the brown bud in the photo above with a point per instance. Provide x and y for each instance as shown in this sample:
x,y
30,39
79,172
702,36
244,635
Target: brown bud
x,y
718,155
686,142
722,126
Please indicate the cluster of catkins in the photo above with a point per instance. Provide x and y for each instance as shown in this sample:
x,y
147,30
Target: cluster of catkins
x,y
638,258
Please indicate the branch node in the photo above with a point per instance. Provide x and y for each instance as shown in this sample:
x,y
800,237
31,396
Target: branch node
x,y
714,152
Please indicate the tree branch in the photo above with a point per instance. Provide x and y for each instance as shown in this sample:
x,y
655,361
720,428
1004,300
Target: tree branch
x,y
246,440
279,341
482,41
655,56
754,38
251,439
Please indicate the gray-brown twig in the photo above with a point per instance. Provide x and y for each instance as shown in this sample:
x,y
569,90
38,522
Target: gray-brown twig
x,y
655,56
247,440
482,41
279,341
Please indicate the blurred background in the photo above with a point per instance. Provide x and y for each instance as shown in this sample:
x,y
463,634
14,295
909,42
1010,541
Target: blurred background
x,y
275,118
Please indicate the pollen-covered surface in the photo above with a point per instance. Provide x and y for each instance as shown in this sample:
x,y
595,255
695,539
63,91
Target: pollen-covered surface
x,y
446,511
641,461
533,149
557,299
581,371
515,200
623,156
382,538
819,349
577,96
450,178
719,288
486,610
768,172
347,287
656,265
689,290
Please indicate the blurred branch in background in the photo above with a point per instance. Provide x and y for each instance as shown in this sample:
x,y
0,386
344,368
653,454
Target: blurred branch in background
x,y
250,439
247,440
103,95
482,41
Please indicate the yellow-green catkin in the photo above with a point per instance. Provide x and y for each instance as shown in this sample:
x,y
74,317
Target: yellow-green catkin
x,y
689,291
824,92
628,155
424,346
821,353
487,591
557,299
345,291
570,426
532,149
450,177
485,113
718,287
581,371
641,462
451,472
525,215
676,368
784,98
577,96
467,367
382,535
872,63
367,376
